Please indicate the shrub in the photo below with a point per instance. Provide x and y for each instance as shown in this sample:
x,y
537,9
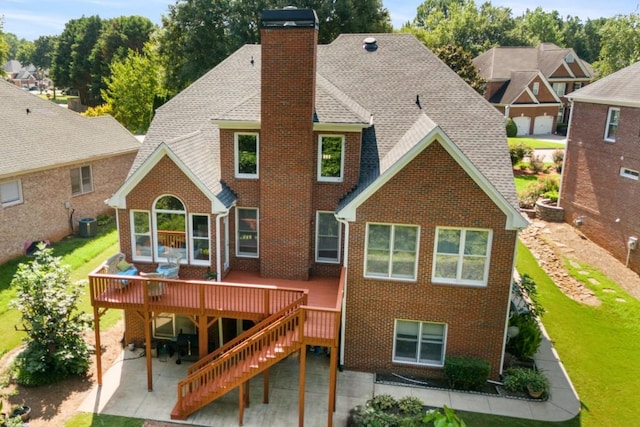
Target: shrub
x,y
551,195
466,373
549,183
529,293
524,345
537,164
512,128
406,412
410,406
528,197
558,157
383,402
519,151
518,379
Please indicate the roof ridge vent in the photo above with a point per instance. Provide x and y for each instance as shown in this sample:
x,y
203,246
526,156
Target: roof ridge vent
x,y
370,44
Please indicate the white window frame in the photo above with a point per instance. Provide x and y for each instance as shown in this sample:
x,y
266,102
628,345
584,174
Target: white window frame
x,y
236,151
247,254
560,88
629,173
536,88
320,259
154,230
389,275
82,184
577,86
569,58
607,130
12,202
458,280
192,238
560,117
330,178
135,236
419,341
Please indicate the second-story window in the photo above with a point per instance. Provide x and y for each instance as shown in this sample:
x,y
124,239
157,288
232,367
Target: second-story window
x,y
612,124
560,88
330,158
536,88
81,181
247,232
246,155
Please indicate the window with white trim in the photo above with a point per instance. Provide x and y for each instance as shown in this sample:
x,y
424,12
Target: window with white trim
x,y
569,58
577,85
330,158
629,173
461,256
81,180
536,88
561,114
11,193
560,88
610,130
170,218
422,343
247,232
327,238
246,155
199,244
392,251
141,235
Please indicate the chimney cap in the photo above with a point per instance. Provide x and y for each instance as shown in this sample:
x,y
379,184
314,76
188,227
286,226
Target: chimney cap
x,y
289,17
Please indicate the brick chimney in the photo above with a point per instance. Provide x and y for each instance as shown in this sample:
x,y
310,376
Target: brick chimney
x,y
289,40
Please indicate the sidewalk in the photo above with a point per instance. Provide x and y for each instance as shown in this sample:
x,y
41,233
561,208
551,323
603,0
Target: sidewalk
x,y
124,393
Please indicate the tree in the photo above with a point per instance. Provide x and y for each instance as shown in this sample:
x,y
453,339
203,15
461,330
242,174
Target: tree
x,y
620,44
461,62
4,47
48,302
538,26
13,43
44,48
25,52
131,88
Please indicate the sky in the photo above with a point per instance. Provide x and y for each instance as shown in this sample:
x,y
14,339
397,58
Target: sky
x,y
30,19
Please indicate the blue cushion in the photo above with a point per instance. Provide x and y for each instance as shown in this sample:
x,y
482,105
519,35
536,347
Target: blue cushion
x,y
130,272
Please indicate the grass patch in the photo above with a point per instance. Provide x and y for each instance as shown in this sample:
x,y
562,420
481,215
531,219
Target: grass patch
x,y
83,255
96,420
477,419
595,344
535,143
522,181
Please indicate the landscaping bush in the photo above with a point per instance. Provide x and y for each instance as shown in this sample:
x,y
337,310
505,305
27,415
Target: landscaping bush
x,y
518,379
524,345
466,373
537,165
528,197
558,157
512,128
519,151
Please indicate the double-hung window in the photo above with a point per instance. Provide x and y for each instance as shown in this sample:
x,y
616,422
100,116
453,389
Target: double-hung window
x,y
421,343
536,88
330,158
560,88
10,193
461,256
247,232
246,155
199,244
81,181
392,251
141,235
327,238
612,124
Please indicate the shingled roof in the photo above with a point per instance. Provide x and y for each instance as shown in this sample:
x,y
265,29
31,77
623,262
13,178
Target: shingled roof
x,y
37,134
355,87
619,88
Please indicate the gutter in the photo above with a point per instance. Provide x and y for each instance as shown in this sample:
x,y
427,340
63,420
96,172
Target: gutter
x,y
343,314
219,216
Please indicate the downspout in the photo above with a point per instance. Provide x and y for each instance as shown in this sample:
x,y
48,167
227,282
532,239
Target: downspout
x,y
566,147
345,264
506,322
219,216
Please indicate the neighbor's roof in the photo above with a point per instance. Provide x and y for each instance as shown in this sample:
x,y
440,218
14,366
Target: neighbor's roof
x,y
354,86
620,88
48,135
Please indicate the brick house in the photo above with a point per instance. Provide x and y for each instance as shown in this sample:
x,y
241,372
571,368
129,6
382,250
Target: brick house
x,y
601,167
366,160
56,167
530,84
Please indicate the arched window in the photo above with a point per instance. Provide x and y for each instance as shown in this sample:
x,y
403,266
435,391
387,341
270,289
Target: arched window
x,y
169,216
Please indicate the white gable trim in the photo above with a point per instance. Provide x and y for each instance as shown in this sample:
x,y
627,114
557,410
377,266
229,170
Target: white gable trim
x,y
549,88
514,221
119,199
566,67
529,92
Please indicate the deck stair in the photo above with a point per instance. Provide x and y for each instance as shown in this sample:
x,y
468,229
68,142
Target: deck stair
x,y
234,367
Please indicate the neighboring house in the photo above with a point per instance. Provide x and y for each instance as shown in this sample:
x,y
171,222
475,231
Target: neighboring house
x,y
366,161
56,167
530,84
25,77
600,178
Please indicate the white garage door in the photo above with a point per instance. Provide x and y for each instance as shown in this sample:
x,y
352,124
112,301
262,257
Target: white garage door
x,y
523,124
543,125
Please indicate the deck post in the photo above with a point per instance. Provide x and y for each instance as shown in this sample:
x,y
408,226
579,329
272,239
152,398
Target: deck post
x,y
147,338
265,386
333,369
96,328
241,403
203,336
301,385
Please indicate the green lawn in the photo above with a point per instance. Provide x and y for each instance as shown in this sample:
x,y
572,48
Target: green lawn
x,y
522,181
96,420
83,255
535,143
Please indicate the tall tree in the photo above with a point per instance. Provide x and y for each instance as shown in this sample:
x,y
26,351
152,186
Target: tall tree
x,y
538,26
461,62
4,47
592,39
133,84
13,43
620,45
25,52
44,48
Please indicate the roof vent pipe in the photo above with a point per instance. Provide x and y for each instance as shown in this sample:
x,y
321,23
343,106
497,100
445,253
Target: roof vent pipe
x,y
370,44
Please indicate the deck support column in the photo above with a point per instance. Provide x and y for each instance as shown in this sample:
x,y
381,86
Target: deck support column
x,y
301,385
265,386
241,404
96,328
203,336
333,373
147,338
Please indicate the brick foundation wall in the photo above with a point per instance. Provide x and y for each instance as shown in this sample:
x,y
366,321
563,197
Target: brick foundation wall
x,y
475,315
593,191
